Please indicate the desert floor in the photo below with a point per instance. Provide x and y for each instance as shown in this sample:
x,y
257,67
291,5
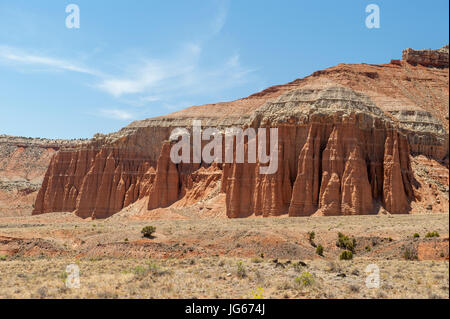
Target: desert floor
x,y
223,258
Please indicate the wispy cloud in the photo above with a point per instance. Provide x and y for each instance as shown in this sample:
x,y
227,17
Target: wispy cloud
x,y
178,74
150,75
220,19
116,114
166,82
182,75
14,55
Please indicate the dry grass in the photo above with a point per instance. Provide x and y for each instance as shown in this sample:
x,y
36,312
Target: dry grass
x,y
218,277
199,258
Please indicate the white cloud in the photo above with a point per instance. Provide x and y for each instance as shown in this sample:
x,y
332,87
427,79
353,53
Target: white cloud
x,y
142,100
154,81
150,74
181,75
15,55
116,114
221,17
150,80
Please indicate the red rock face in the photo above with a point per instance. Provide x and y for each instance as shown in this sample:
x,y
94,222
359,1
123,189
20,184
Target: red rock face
x,y
429,58
166,188
250,193
335,159
92,183
100,182
346,137
341,170
23,164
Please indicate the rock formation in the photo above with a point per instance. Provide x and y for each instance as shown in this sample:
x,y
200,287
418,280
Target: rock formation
x,y
23,163
429,58
347,137
333,153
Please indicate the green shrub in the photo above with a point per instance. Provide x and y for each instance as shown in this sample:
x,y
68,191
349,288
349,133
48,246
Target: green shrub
x,y
432,234
416,235
140,271
241,272
319,250
2,258
306,279
297,266
257,260
311,236
346,255
367,248
410,254
152,268
63,276
148,231
346,242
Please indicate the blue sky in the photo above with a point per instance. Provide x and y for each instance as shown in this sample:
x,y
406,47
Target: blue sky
x,y
136,59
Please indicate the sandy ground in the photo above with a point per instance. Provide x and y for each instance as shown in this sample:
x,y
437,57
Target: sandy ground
x,y
222,258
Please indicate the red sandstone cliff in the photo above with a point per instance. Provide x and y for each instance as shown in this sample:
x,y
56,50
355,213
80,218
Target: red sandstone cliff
x,y
23,163
347,137
339,157
430,58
